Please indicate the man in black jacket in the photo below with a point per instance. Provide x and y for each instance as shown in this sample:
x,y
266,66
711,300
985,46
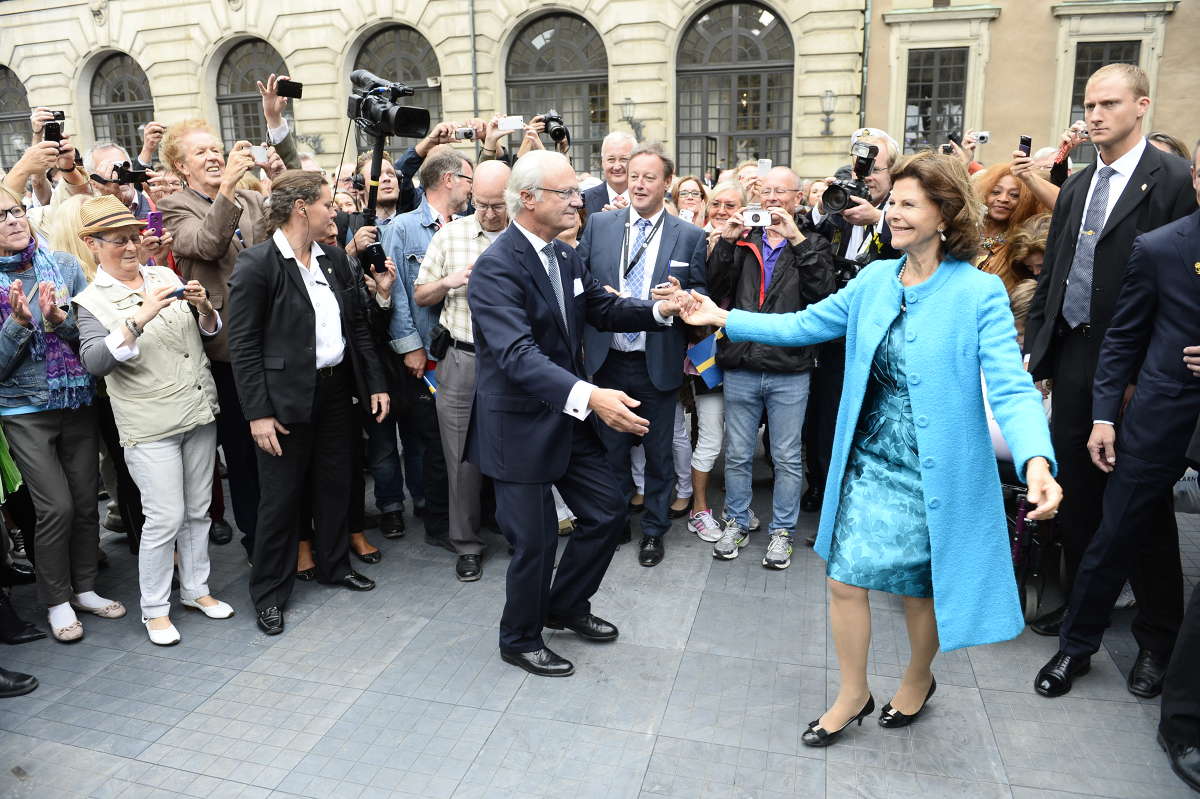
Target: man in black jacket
x,y
1131,189
772,269
300,347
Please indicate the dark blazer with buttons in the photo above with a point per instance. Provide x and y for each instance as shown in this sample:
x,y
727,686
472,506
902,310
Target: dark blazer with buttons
x,y
272,333
682,252
1157,315
527,360
595,198
1158,192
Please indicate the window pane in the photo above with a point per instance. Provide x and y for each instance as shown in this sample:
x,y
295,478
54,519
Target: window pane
x,y
937,87
121,102
14,118
238,102
401,53
1089,57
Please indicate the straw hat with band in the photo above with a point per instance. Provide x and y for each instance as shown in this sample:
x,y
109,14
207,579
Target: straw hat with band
x,y
101,214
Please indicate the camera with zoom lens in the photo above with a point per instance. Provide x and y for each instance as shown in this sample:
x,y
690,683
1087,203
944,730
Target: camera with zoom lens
x,y
374,107
555,128
838,197
125,174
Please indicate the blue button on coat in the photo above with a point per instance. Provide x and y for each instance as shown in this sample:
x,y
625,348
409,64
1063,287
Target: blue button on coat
x,y
960,323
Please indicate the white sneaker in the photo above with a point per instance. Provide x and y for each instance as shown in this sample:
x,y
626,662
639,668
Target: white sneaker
x,y
705,526
221,610
753,525
167,637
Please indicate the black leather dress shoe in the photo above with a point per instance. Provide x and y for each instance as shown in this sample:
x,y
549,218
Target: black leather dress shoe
x,y
593,628
1051,623
14,629
219,532
14,683
542,662
307,575
627,533
469,568
810,502
270,620
1056,676
17,573
354,581
1146,676
391,524
1185,761
650,552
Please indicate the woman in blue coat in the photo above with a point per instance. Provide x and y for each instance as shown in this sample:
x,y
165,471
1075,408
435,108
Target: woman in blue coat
x,y
913,504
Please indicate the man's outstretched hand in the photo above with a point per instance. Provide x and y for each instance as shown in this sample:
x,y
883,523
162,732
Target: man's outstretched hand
x,y
612,406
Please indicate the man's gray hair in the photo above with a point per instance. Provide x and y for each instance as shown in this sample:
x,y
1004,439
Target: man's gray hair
x,y
618,137
89,158
442,160
527,174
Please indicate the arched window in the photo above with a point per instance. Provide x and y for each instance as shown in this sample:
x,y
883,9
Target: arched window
x,y
558,62
14,118
121,102
239,104
735,88
400,53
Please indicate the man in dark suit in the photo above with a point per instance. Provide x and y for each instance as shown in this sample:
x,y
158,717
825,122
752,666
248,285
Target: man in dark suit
x,y
1132,188
301,347
1144,453
634,250
614,158
530,296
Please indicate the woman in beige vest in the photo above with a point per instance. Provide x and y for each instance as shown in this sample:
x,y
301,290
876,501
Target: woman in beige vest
x,y
148,347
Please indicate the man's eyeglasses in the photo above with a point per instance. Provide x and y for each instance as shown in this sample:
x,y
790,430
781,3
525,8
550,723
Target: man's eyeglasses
x,y
688,194
489,208
770,192
612,160
467,178
124,241
17,212
566,194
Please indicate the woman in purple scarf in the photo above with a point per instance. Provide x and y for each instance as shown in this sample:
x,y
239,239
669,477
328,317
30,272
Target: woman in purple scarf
x,y
47,415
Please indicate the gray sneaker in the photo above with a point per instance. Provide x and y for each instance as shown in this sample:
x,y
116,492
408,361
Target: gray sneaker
x,y
731,541
779,550
751,527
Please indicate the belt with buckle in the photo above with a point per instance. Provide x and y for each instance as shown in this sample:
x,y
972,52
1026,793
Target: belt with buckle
x,y
328,371
462,345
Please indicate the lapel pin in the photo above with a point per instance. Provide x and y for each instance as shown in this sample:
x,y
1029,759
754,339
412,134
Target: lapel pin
x,y
1198,267
1143,187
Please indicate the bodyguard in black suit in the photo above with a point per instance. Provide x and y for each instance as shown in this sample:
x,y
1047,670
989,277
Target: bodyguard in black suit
x,y
301,349
1133,188
530,296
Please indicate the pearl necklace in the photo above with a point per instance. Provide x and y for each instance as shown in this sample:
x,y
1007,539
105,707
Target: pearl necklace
x,y
900,277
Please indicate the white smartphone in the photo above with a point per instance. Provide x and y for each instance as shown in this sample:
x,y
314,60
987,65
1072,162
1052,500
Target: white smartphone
x,y
259,154
687,215
511,123
764,166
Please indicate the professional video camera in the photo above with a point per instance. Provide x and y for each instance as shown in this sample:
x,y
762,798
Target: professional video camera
x,y
837,197
373,105
555,128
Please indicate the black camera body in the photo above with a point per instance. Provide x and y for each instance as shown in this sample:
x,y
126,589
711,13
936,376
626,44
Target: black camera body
x,y
373,257
125,174
838,197
358,182
556,129
374,107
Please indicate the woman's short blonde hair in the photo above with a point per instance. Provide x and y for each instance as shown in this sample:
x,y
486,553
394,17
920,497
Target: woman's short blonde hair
x,y
944,180
721,188
172,143
64,233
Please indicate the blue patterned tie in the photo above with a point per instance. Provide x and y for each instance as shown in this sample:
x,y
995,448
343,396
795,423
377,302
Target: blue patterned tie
x,y
1077,302
555,280
633,281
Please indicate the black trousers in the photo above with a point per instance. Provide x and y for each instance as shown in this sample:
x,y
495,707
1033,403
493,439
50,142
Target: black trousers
x,y
422,420
526,516
1129,545
627,372
1180,722
315,465
820,419
241,455
129,497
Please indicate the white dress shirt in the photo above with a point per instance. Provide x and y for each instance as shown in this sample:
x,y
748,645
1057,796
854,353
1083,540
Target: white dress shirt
x,y
331,347
613,195
1123,170
619,340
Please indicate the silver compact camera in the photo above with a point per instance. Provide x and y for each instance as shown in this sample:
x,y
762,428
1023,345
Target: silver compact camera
x,y
756,216
983,137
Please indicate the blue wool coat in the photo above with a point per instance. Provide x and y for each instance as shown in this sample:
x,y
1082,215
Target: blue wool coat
x,y
958,323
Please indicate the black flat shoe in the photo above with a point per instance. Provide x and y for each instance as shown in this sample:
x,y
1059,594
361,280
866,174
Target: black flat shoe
x,y
17,573
651,551
677,514
354,581
219,532
1185,761
270,620
542,662
817,735
593,628
1050,624
469,568
369,557
1056,677
391,524
14,683
1146,676
637,507
307,575
890,717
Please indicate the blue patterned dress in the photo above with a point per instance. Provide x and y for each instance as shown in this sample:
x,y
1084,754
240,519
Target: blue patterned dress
x,y
880,537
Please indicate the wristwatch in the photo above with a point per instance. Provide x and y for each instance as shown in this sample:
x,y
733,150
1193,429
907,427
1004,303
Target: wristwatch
x,y
133,327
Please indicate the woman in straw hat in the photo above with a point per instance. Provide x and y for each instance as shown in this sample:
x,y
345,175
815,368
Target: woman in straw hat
x,y
147,345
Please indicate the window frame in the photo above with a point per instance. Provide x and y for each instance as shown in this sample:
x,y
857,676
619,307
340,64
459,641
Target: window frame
x,y
108,120
235,107
937,68
13,123
425,95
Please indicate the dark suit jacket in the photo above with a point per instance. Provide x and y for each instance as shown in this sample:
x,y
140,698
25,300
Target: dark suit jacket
x,y
527,361
595,198
1157,315
682,253
272,333
1158,192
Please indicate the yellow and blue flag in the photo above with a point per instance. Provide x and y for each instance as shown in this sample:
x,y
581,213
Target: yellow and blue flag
x,y
703,356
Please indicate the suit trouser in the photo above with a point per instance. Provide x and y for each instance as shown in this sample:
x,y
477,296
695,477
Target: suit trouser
x,y
627,372
1180,721
315,465
241,454
1130,544
455,395
526,515
57,453
129,497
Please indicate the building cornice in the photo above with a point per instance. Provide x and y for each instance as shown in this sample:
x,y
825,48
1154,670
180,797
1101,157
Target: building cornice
x,y
1114,7
941,14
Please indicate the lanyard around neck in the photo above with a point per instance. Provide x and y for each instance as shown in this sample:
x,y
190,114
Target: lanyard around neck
x,y
632,262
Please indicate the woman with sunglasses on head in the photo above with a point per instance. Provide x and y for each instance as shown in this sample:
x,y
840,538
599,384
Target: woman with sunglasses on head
x,y
147,346
47,415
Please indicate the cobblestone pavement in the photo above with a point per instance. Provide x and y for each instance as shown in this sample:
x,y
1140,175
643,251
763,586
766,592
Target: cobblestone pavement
x,y
400,692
